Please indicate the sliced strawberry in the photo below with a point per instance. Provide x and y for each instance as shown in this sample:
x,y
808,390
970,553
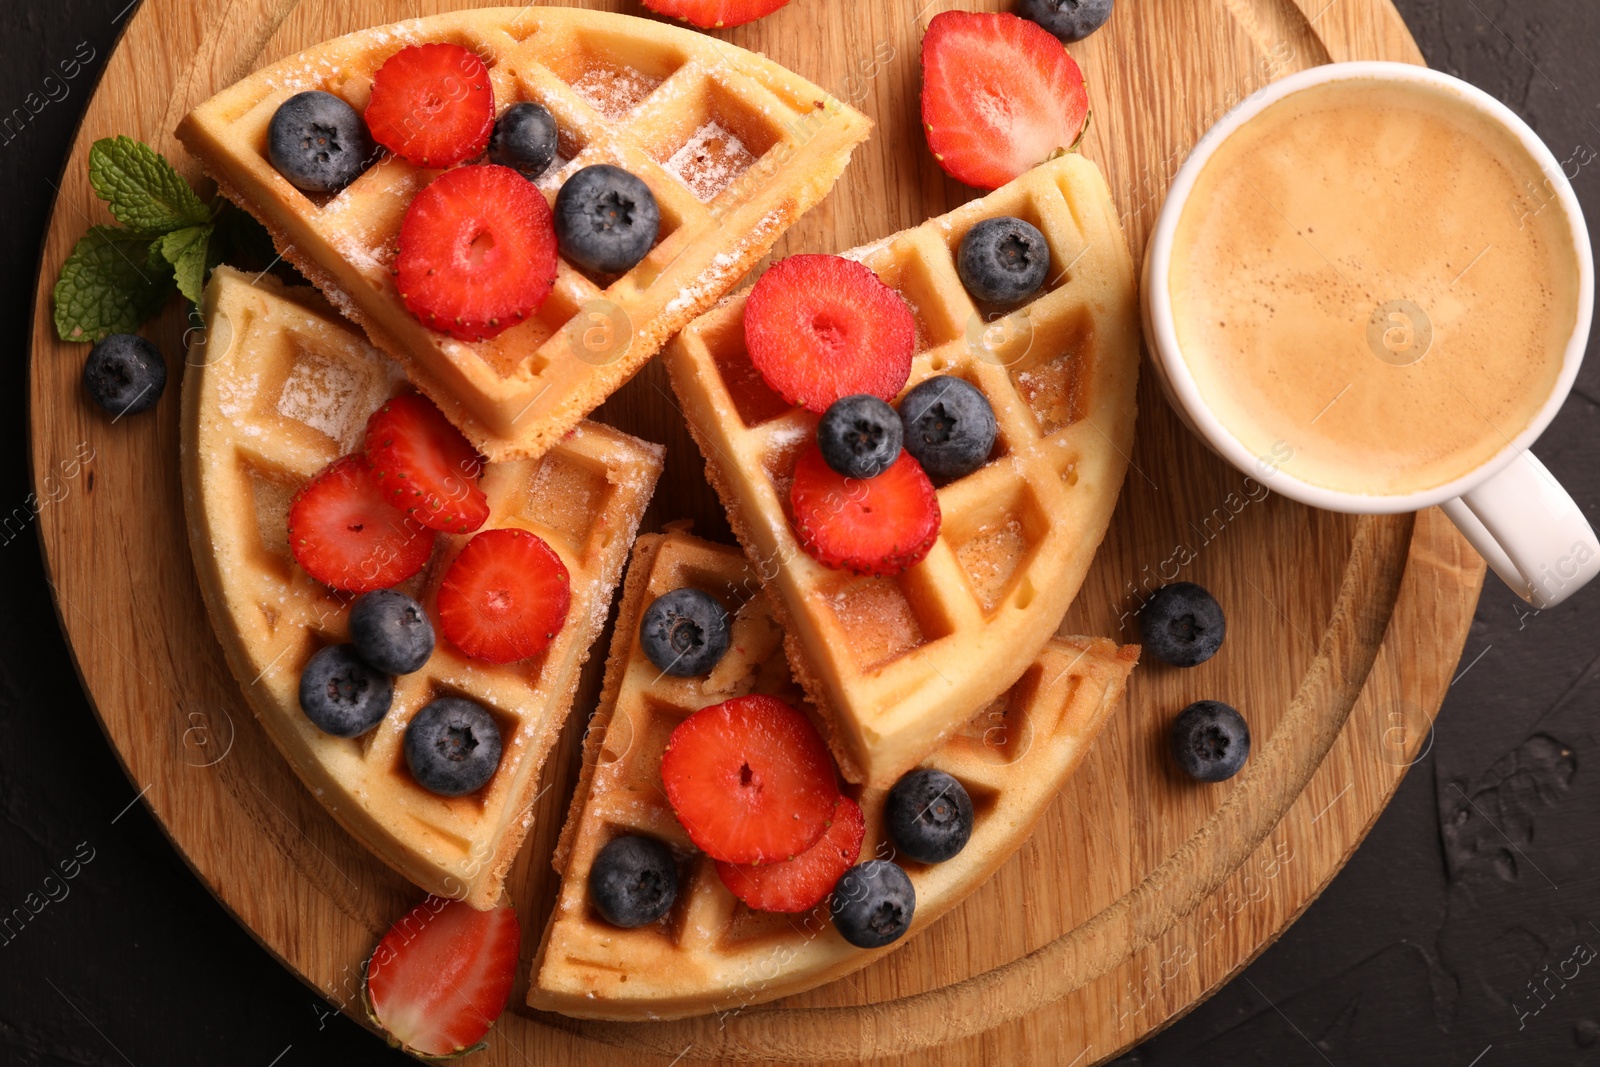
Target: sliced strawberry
x,y
346,535
432,104
505,597
440,977
804,882
477,252
750,780
715,14
822,327
878,526
425,466
1000,95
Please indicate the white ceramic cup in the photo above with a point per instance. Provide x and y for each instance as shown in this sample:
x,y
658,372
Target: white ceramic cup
x,y
1516,515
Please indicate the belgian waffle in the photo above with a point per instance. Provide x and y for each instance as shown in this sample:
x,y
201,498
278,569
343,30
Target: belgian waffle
x,y
895,665
735,148
276,388
712,953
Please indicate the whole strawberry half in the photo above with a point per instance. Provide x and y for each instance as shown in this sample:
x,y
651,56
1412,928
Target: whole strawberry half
x,y
874,526
804,882
715,14
505,597
1000,95
477,252
750,779
823,327
346,535
440,977
425,466
432,104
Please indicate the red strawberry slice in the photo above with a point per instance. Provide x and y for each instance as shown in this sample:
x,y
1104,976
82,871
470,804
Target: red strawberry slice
x,y
804,882
432,104
505,597
346,535
1000,95
715,14
822,327
425,466
750,780
477,252
877,526
440,977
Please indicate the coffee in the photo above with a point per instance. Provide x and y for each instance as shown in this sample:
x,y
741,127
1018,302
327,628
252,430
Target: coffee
x,y
1373,286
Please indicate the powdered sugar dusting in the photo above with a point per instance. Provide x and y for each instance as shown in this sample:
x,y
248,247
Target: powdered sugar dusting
x,y
326,395
710,160
614,91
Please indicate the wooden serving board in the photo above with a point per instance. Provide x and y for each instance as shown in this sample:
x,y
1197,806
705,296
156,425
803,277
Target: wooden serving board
x,y
1141,892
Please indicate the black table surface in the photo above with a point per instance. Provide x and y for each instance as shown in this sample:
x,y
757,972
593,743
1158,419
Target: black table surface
x,y
1465,931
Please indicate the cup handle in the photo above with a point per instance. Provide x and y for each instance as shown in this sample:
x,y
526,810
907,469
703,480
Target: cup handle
x,y
1530,531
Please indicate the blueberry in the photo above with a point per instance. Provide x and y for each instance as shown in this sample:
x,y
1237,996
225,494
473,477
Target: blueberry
x,y
929,815
319,142
684,632
524,139
873,903
341,694
1182,624
606,219
1003,261
391,632
949,427
1210,740
452,747
1070,20
633,881
125,374
860,436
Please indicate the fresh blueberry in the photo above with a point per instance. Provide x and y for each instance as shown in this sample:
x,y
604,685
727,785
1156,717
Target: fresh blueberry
x,y
633,881
1003,261
1182,624
1070,20
929,815
391,631
125,374
342,694
452,747
606,219
860,436
524,139
873,903
684,632
1210,741
949,427
318,142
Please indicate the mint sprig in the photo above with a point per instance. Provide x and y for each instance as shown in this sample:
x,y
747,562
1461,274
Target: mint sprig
x,y
117,277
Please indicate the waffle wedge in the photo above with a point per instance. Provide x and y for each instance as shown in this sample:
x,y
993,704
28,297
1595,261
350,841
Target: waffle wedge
x,y
277,387
735,148
712,953
895,665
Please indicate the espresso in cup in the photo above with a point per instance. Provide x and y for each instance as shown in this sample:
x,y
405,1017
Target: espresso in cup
x,y
1373,286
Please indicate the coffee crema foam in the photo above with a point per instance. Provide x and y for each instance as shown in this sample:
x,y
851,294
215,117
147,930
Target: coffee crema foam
x,y
1370,279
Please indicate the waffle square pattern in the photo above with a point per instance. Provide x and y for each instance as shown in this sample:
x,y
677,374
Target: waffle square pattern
x,y
276,388
734,147
710,952
895,665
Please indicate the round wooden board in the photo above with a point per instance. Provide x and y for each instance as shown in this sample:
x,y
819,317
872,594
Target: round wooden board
x,y
1139,894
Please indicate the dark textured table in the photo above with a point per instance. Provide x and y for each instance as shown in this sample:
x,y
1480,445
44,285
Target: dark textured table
x,y
1464,932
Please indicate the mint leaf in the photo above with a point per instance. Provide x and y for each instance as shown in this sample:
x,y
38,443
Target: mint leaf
x,y
185,252
142,189
108,286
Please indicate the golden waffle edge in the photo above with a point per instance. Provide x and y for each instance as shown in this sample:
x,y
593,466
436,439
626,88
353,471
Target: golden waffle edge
x,y
711,953
276,387
893,666
624,90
